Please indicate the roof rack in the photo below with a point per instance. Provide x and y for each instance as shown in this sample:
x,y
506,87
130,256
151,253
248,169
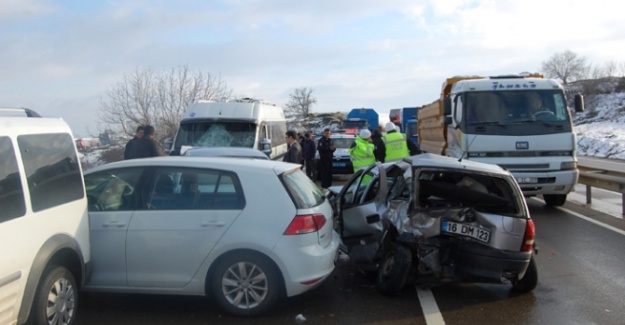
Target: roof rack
x,y
19,111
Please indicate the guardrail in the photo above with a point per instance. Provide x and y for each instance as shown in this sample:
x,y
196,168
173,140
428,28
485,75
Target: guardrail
x,y
604,179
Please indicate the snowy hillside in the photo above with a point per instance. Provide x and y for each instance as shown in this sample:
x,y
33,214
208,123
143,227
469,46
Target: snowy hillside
x,y
600,130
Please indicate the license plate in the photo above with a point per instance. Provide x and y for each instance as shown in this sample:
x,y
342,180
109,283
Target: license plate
x,y
462,229
338,164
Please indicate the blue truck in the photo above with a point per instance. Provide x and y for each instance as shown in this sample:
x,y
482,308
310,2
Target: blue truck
x,y
406,118
361,118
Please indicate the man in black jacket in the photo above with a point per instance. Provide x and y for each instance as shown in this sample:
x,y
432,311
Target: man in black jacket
x,y
326,149
146,146
294,153
309,149
130,145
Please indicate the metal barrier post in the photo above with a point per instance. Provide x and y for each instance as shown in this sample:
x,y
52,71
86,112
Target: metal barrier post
x,y
588,194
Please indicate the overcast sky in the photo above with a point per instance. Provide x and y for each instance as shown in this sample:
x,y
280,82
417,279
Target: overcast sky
x,y
59,57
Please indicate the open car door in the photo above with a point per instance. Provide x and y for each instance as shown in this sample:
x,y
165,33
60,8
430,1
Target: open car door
x,y
361,205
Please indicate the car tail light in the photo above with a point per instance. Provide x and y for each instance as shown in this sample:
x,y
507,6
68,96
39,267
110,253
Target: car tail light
x,y
305,224
530,234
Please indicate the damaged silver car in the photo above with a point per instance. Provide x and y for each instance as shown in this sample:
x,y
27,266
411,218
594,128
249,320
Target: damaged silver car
x,y
430,220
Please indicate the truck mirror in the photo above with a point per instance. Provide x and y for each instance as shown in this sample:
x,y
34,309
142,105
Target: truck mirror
x,y
168,145
579,103
265,146
447,106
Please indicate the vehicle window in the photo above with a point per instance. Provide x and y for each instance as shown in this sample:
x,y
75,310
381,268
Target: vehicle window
x,y
52,169
303,191
191,189
11,189
216,134
455,189
343,142
113,190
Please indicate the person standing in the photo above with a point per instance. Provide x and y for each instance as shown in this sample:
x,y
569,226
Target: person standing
x,y
146,146
309,149
326,149
132,142
294,153
361,152
376,138
396,147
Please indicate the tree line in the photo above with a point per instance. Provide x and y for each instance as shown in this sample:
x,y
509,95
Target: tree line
x,y
145,96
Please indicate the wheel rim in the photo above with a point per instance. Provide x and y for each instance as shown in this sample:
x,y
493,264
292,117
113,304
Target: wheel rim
x,y
388,266
245,285
61,302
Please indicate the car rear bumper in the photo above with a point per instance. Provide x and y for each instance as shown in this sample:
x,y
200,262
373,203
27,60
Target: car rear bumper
x,y
305,267
478,263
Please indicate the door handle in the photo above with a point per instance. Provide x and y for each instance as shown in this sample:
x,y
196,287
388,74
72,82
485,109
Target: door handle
x,y
115,224
213,223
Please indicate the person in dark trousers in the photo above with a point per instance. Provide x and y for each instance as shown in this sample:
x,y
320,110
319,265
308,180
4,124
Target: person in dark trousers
x,y
326,149
376,138
294,153
308,151
146,146
130,145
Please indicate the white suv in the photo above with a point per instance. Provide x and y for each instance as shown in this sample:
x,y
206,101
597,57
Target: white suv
x,y
43,220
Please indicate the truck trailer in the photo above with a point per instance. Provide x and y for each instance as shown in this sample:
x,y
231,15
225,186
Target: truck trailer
x,y
492,120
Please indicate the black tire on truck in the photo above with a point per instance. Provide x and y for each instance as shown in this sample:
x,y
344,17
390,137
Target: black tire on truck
x,y
554,200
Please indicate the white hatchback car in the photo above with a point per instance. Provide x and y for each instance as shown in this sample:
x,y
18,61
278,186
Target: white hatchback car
x,y
244,231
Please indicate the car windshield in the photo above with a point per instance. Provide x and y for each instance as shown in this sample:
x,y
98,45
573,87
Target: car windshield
x,y
343,142
304,192
216,134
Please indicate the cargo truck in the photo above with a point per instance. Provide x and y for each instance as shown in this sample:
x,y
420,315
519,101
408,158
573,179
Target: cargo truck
x,y
490,120
361,118
406,118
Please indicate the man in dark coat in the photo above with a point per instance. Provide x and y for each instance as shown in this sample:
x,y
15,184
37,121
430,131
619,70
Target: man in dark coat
x,y
309,149
130,145
146,146
326,149
294,153
376,138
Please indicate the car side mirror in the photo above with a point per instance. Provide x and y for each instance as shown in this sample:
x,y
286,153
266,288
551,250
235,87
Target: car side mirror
x,y
265,146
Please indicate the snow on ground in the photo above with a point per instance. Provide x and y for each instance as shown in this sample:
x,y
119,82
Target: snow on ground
x,y
600,130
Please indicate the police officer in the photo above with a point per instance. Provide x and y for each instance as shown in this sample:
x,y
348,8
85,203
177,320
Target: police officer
x,y
326,149
361,152
395,144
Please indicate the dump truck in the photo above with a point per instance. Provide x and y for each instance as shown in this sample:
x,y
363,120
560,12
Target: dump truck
x,y
496,120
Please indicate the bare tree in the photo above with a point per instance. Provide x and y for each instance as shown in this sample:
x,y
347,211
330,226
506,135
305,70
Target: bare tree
x,y
567,66
299,105
609,68
147,97
621,69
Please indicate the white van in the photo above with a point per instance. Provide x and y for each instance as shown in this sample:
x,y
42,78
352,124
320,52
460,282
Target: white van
x,y
245,122
44,226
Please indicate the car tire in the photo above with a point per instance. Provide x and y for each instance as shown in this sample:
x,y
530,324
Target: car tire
x,y
56,298
246,284
529,280
554,200
393,270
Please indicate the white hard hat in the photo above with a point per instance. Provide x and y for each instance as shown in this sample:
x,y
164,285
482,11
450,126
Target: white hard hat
x,y
390,126
365,134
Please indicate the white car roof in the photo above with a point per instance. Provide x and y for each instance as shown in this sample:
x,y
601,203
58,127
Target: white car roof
x,y
225,163
438,161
